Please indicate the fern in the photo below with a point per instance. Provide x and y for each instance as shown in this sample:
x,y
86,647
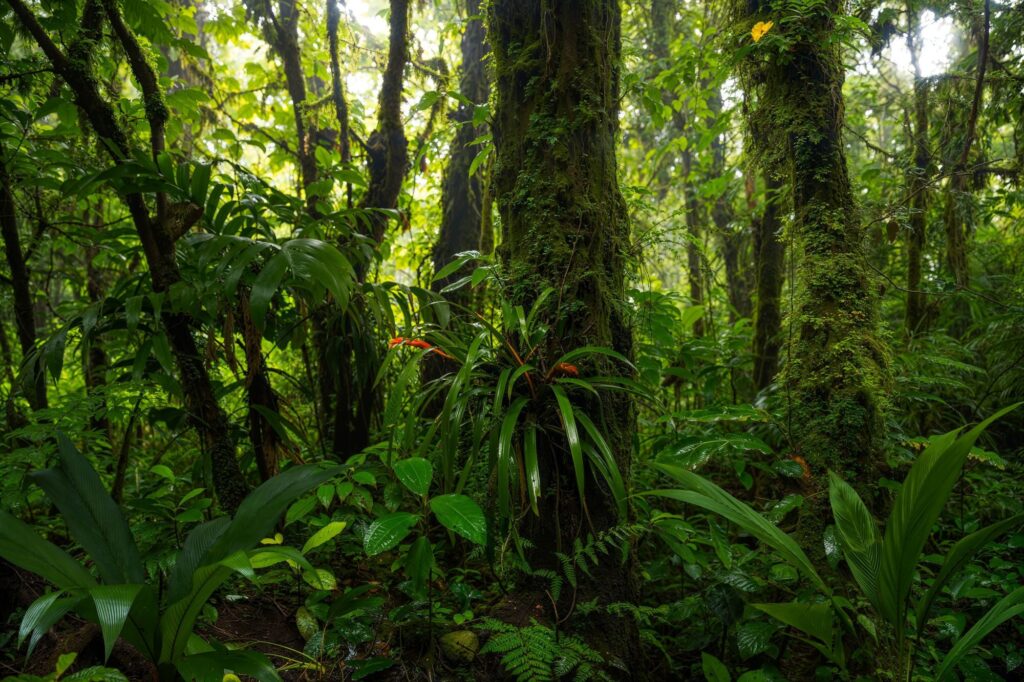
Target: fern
x,y
536,653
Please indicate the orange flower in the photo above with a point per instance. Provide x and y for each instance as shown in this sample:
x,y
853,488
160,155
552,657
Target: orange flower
x,y
565,369
803,465
417,343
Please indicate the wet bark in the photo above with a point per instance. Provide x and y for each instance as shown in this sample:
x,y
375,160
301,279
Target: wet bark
x,y
357,353
464,212
565,226
957,208
733,241
157,242
917,185
769,255
24,312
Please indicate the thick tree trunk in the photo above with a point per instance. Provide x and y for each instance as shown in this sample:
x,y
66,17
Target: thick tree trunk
x,y
157,243
24,313
835,366
769,254
565,226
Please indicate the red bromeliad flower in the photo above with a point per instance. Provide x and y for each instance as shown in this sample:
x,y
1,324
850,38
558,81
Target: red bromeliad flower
x,y
565,369
417,343
803,465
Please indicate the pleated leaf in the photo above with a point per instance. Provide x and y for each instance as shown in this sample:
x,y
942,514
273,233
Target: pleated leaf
x,y
858,536
23,547
707,495
961,553
113,604
93,518
922,496
1006,608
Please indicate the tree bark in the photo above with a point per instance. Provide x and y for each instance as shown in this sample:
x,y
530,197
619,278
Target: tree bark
x,y
917,187
157,244
24,313
463,209
835,367
959,181
769,254
565,226
733,242
357,402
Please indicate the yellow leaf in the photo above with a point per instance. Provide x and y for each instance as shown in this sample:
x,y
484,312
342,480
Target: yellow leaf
x,y
276,540
760,28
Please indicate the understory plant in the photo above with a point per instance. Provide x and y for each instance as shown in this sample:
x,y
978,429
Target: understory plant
x,y
883,563
123,600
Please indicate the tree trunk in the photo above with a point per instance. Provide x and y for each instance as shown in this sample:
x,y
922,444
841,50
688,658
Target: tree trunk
x,y
733,242
157,243
357,402
917,185
463,210
24,314
958,207
565,226
769,254
836,363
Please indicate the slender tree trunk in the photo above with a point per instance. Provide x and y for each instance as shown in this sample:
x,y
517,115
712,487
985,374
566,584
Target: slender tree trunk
x,y
357,402
769,254
917,185
96,356
733,242
565,226
24,313
463,210
957,207
154,234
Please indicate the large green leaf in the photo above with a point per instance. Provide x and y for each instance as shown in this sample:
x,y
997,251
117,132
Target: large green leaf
x,y
959,555
177,621
93,518
23,547
505,455
262,508
814,620
325,534
1006,608
462,515
212,665
197,545
387,531
415,473
568,418
917,507
42,615
714,670
858,536
707,495
113,604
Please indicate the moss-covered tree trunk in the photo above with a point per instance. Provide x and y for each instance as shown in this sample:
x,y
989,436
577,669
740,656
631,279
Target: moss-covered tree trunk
x,y
833,369
769,254
564,226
